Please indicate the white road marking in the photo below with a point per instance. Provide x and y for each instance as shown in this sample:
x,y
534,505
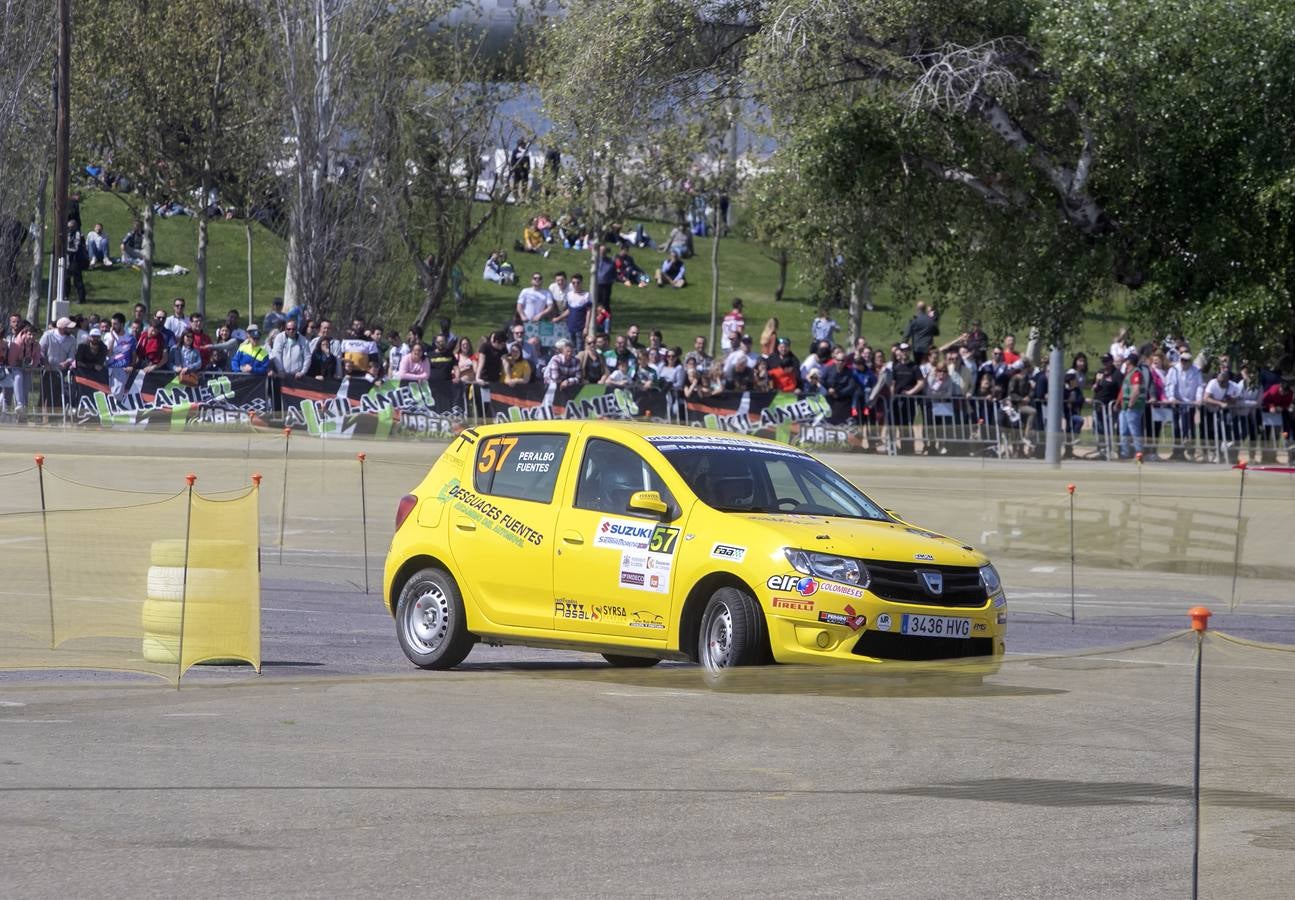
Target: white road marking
x,y
644,694
11,703
192,715
4,721
1044,570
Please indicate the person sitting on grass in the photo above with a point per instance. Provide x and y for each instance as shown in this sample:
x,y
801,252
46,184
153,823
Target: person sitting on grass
x,y
499,269
628,271
532,239
671,272
96,243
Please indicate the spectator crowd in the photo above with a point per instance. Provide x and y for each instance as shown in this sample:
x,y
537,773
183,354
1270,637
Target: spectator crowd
x,y
967,394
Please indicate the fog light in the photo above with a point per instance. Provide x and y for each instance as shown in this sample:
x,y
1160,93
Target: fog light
x,y
823,639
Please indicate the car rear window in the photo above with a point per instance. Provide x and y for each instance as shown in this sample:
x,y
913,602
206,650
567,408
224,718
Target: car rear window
x,y
521,466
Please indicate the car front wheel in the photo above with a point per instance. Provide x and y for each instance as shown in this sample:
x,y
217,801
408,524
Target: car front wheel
x,y
732,631
430,623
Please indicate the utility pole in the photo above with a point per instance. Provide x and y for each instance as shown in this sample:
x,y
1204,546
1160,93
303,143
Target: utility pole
x,y
62,112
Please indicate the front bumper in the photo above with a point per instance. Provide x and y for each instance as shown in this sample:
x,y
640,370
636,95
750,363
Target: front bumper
x,y
819,637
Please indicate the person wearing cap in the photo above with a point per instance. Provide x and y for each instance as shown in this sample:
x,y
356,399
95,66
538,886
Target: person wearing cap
x,y
784,367
1183,388
58,347
92,356
251,357
1106,392
732,328
742,350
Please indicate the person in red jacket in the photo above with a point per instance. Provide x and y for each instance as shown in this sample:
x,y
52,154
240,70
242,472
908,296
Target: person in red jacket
x,y
151,349
1276,404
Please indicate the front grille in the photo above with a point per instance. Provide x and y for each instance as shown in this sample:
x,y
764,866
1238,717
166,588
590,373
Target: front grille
x,y
914,648
901,582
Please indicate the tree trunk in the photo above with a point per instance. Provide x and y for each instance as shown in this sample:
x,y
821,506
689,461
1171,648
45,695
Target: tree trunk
x,y
1055,434
146,280
855,324
782,277
37,252
247,228
290,298
714,281
434,284
200,261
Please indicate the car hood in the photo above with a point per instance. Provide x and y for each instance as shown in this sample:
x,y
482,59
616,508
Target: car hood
x,y
892,540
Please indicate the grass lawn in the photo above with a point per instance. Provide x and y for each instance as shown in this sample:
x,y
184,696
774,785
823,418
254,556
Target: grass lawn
x,y
747,270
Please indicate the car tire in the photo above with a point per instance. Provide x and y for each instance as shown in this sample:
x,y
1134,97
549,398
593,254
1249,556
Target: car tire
x,y
430,623
630,662
732,632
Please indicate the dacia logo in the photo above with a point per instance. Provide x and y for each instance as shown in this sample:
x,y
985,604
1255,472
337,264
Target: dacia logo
x,y
934,582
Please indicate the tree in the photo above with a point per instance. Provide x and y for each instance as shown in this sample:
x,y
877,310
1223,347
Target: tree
x,y
436,163
26,42
642,138
330,56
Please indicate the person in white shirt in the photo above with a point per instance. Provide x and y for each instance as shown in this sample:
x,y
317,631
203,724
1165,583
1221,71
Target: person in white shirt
x,y
96,243
177,323
533,302
559,290
1183,389
733,326
1217,400
1121,347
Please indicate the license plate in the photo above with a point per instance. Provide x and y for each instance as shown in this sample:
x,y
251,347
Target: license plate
x,y
935,626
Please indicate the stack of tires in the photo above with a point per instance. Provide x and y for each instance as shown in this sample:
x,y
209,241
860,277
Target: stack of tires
x,y
194,601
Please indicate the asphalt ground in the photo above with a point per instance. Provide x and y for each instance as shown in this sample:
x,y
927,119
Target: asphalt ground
x,y
342,770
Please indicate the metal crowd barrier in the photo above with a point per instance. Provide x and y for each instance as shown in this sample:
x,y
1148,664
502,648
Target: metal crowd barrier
x,y
894,425
36,394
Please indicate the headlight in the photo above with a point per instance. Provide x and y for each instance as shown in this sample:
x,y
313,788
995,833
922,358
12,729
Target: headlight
x,y
989,578
829,566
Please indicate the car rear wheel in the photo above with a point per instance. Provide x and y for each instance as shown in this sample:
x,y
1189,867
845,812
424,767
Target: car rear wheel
x,y
630,662
430,623
732,631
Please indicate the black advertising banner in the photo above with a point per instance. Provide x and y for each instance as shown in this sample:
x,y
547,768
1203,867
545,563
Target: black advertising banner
x,y
348,407
518,403
783,416
167,400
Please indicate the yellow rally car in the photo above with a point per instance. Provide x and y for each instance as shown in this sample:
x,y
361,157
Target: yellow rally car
x,y
649,542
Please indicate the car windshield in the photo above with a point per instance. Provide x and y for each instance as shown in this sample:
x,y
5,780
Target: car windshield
x,y
740,476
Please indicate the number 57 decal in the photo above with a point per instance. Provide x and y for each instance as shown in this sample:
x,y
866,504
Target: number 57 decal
x,y
663,539
491,456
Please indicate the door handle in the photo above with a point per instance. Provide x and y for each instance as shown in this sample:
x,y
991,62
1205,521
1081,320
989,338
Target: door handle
x,y
572,537
465,524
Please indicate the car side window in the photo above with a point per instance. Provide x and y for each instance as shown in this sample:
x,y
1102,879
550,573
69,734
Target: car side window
x,y
521,466
610,474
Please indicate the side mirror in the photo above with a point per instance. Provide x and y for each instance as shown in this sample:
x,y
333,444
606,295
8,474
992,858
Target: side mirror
x,y
648,502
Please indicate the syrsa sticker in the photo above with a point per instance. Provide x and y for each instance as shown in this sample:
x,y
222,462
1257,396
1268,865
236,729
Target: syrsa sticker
x,y
728,552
